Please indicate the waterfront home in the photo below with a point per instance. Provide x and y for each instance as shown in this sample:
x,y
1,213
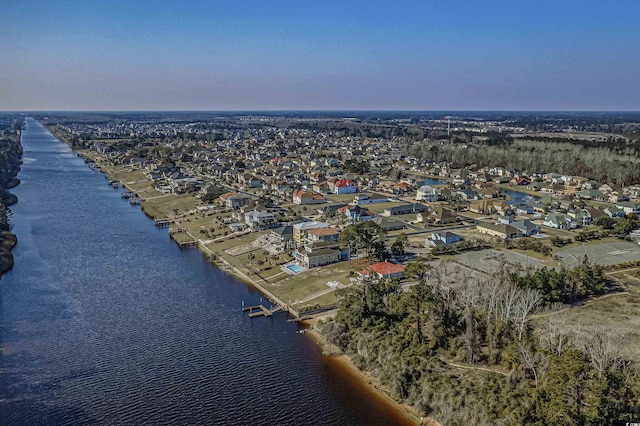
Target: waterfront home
x,y
233,200
259,220
499,230
519,181
490,207
283,236
320,257
344,186
560,221
487,192
405,209
321,235
300,230
427,193
305,198
522,208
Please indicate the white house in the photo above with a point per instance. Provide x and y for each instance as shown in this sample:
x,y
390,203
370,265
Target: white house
x,y
427,193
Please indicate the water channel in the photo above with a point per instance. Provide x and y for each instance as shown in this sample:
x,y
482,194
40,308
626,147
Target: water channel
x,y
104,320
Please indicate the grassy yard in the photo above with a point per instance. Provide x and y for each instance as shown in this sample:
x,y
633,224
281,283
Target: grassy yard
x,y
304,285
615,313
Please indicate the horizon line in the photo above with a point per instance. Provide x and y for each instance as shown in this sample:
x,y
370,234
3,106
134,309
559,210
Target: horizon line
x,y
318,110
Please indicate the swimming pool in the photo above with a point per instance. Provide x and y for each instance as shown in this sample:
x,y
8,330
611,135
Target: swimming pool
x,y
295,268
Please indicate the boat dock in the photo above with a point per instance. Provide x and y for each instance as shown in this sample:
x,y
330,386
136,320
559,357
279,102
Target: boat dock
x,y
163,223
188,244
261,310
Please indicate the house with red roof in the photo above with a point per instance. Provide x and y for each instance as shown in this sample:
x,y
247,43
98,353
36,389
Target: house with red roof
x,y
344,186
383,270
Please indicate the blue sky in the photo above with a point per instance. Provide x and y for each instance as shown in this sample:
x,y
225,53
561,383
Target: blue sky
x,y
323,54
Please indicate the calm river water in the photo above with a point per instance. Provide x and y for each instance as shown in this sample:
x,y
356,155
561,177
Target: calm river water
x,y
104,320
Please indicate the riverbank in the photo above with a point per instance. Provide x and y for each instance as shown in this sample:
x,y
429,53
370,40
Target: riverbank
x,y
363,380
10,162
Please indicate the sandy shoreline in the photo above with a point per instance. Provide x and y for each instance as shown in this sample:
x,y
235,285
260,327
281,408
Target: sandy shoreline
x,y
374,390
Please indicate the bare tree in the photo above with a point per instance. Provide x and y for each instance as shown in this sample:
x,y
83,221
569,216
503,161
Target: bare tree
x,y
469,298
525,305
554,334
529,360
603,347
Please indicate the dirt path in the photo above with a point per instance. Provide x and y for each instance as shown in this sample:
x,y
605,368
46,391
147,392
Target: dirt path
x,y
471,367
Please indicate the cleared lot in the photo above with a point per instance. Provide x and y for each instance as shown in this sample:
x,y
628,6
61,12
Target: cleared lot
x,y
489,260
601,253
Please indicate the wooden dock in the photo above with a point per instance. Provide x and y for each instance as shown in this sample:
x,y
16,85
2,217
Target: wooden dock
x,y
261,310
188,244
163,223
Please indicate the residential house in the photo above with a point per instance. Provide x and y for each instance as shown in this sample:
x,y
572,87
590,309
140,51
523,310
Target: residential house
x,y
427,193
305,198
383,270
300,230
369,199
442,216
581,216
405,209
614,212
595,213
629,207
522,208
344,186
443,238
519,181
560,221
526,227
320,257
233,200
591,194
389,224
490,207
259,220
499,230
283,235
327,236
357,213
469,194
331,210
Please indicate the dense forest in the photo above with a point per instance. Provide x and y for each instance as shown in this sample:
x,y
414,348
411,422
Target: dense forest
x,y
464,349
616,163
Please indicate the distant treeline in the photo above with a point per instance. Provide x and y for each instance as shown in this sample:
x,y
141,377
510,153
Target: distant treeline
x,y
618,163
